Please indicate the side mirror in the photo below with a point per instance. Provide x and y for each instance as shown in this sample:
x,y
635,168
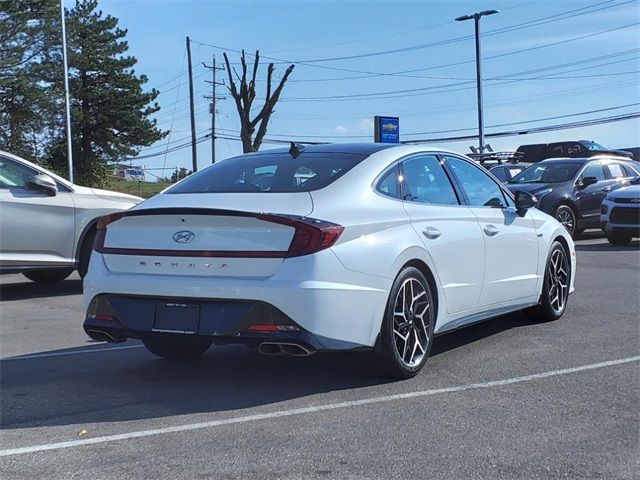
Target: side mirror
x,y
525,201
44,183
586,181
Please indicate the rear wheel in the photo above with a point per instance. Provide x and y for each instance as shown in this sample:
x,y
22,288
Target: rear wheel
x,y
48,276
555,288
619,239
406,335
567,217
182,349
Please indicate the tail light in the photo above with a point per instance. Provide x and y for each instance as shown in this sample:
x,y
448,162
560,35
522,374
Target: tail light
x,y
311,235
101,230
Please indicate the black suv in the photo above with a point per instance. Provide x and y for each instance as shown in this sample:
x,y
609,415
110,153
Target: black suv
x,y
571,149
572,189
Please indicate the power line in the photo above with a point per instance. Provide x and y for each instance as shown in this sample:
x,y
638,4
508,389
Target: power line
x,y
509,133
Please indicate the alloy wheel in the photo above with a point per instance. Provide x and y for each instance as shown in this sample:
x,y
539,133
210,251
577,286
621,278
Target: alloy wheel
x,y
410,327
567,219
558,280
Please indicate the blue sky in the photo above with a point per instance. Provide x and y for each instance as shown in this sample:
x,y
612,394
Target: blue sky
x,y
548,70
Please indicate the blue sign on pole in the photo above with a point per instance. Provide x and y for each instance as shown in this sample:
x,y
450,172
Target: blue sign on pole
x,y
387,129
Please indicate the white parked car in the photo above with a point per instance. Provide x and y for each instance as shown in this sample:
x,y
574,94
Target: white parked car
x,y
47,224
620,214
333,247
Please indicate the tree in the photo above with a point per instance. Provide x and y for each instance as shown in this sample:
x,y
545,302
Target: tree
x,y
179,174
245,94
110,111
24,28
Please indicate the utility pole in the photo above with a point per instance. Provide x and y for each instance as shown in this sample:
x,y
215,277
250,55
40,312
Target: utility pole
x,y
194,151
476,18
67,105
212,105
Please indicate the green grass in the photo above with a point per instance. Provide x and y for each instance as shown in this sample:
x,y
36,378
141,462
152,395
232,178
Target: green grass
x,y
139,189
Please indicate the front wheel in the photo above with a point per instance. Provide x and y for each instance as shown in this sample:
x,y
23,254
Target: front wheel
x,y
406,335
181,349
555,288
619,239
47,276
566,216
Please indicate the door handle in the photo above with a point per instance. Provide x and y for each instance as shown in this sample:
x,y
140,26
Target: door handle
x,y
606,189
491,230
431,233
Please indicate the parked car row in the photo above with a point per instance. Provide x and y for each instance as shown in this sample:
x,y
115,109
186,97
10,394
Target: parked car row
x,y
573,189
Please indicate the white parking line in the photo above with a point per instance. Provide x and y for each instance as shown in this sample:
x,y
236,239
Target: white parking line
x,y
72,352
309,410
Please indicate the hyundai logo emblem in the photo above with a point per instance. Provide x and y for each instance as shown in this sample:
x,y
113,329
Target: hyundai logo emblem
x,y
184,236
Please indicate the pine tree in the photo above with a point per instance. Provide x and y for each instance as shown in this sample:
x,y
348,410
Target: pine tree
x,y
24,26
110,111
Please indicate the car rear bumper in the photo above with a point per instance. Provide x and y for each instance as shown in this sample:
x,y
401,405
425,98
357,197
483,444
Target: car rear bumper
x,y
330,314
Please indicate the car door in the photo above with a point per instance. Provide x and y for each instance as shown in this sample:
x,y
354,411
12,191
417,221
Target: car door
x,y
449,230
35,228
589,198
510,238
617,172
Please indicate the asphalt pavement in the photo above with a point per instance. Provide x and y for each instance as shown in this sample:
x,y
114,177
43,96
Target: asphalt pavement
x,y
506,399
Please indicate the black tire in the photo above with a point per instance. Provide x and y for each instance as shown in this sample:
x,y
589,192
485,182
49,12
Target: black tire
x,y
48,276
547,310
390,361
568,218
176,348
619,239
85,252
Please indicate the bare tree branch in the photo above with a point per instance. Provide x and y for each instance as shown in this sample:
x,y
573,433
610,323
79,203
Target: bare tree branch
x,y
245,94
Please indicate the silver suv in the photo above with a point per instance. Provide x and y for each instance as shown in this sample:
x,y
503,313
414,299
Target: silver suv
x,y
47,224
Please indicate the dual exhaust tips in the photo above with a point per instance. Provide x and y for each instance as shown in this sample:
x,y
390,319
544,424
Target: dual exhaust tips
x,y
279,348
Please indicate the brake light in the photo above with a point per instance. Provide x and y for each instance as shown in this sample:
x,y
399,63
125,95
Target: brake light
x,y
311,235
101,230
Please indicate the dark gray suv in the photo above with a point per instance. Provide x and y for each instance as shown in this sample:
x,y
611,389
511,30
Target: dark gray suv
x,y
572,189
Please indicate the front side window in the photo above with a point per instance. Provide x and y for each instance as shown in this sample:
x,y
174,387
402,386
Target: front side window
x,y
425,181
481,190
270,173
14,175
593,169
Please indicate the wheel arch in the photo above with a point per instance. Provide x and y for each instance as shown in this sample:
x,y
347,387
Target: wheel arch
x,y
83,236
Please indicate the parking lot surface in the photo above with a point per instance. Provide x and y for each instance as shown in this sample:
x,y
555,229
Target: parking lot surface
x,y
503,399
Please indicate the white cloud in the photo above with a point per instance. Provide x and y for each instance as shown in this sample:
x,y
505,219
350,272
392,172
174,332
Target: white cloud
x,y
366,125
340,129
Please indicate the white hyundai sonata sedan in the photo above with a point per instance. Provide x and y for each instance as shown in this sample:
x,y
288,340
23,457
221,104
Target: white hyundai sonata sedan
x,y
326,248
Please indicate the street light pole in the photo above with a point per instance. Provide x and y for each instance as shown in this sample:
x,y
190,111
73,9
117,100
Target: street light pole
x,y
66,93
476,17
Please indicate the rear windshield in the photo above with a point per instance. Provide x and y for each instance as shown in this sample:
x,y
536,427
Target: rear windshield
x,y
275,173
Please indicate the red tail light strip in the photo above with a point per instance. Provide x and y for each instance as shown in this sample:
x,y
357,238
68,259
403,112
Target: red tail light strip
x,y
311,235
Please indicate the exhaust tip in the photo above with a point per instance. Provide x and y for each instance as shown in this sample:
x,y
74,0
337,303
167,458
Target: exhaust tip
x,y
102,336
269,349
279,348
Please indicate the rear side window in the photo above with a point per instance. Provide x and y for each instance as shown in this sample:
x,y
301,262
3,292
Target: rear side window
x,y
425,181
270,173
616,170
389,184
